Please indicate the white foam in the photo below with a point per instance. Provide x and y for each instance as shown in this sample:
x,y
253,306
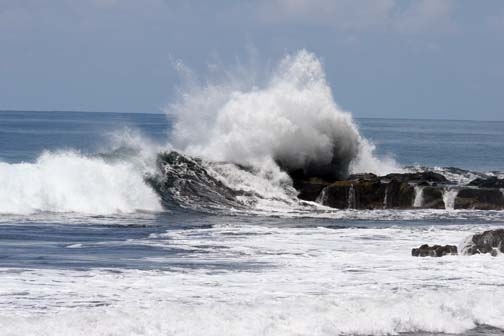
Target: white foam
x,y
279,281
418,201
71,182
449,196
292,118
264,187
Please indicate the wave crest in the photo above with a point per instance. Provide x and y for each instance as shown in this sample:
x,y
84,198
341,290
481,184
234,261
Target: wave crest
x,y
292,120
71,182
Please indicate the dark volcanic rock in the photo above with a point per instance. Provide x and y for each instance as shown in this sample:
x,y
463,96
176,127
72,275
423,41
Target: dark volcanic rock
x,y
420,177
433,198
434,251
338,195
490,182
399,194
369,195
367,191
184,180
479,199
310,189
487,242
363,177
354,195
397,191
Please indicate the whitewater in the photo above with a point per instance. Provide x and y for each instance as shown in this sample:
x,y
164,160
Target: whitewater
x,y
100,236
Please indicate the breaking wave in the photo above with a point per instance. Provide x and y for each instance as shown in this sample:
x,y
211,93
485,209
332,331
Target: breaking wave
x,y
239,139
291,120
71,182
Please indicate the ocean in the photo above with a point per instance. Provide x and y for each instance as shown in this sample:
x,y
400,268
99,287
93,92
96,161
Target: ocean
x,y
188,222
77,258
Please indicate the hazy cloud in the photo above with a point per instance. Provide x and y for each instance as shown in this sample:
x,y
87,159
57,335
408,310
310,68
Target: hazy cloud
x,y
496,21
116,54
351,15
426,15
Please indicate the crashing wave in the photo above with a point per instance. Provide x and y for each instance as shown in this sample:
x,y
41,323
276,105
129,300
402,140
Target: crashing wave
x,y
193,183
185,182
243,146
291,120
72,182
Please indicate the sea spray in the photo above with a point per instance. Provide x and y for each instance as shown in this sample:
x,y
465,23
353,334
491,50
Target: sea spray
x,y
287,121
72,182
291,119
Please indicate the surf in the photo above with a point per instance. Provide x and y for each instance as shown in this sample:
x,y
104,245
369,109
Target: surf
x,y
291,120
234,143
72,182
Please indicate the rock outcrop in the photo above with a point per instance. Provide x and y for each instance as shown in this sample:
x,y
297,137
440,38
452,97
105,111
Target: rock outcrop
x,y
418,178
480,199
434,251
490,182
433,198
491,241
427,190
184,180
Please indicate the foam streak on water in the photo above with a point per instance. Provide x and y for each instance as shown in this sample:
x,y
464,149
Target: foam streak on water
x,y
251,280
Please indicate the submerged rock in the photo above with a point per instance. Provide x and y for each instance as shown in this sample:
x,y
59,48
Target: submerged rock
x,y
434,251
491,241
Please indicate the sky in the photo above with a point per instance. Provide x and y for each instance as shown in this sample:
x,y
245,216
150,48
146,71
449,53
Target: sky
x,y
383,58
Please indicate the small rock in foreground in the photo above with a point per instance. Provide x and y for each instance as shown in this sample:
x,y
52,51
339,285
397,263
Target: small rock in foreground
x,y
491,241
434,251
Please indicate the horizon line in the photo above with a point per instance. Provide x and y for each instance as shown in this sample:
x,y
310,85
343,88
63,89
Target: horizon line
x,y
353,116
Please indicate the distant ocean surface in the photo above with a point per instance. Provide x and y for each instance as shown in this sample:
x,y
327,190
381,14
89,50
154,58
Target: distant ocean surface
x,y
86,248
474,145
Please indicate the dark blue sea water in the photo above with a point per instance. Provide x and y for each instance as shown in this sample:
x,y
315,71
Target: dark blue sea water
x,y
86,248
473,145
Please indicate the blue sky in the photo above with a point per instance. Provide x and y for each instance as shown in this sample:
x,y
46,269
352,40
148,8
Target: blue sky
x,y
383,58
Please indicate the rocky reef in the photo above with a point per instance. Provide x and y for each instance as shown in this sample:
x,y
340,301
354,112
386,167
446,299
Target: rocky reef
x,y
189,178
434,251
427,190
491,241
187,182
